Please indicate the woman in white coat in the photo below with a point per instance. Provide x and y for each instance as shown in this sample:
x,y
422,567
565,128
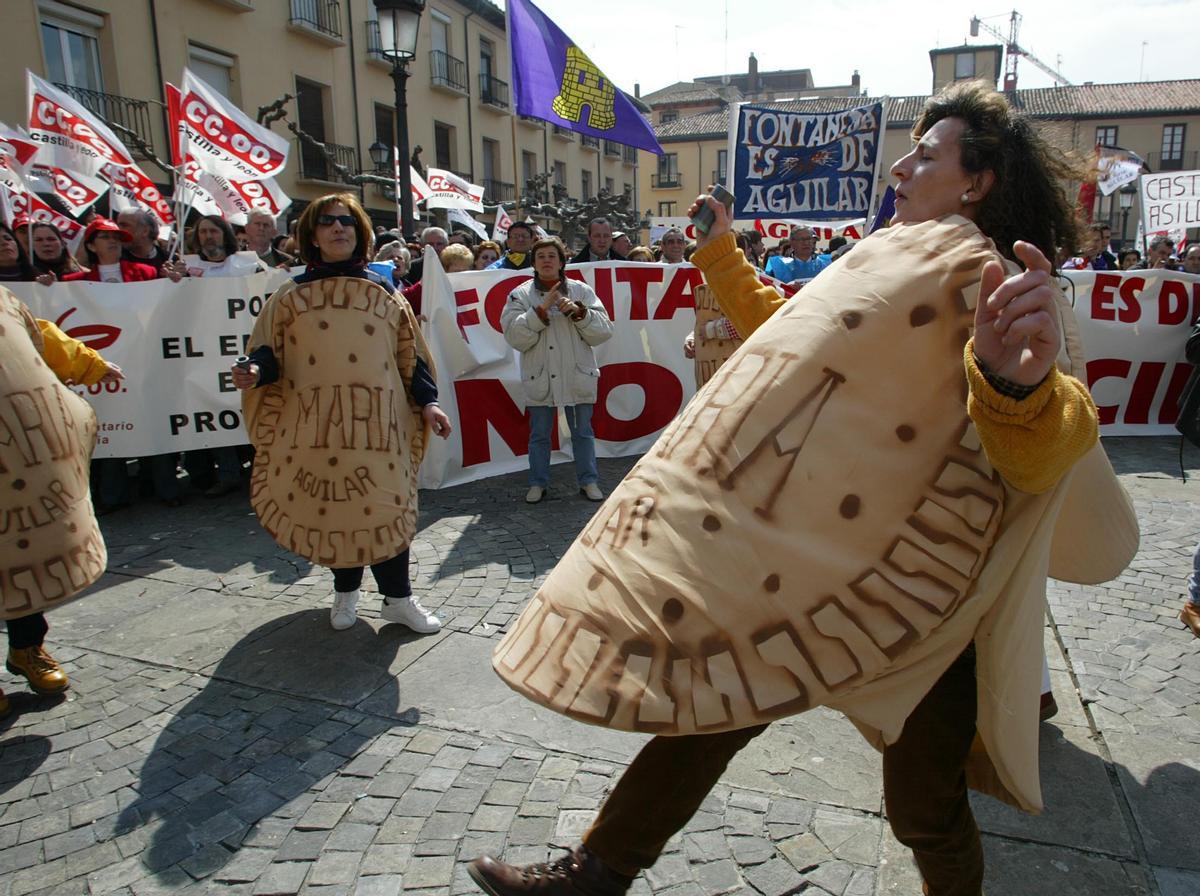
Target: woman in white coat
x,y
554,323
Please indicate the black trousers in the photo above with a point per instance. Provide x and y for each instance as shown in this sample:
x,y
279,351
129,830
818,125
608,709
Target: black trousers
x,y
390,575
27,631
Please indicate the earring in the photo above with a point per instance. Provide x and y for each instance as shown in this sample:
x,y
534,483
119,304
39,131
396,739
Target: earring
x,y
964,198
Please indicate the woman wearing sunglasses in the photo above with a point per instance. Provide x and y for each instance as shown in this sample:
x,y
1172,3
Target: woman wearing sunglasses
x,y
339,399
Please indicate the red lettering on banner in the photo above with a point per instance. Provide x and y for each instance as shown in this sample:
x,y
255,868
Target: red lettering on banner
x,y
54,118
679,293
1103,368
604,290
663,397
1172,303
486,402
1141,396
469,317
497,298
1169,412
638,279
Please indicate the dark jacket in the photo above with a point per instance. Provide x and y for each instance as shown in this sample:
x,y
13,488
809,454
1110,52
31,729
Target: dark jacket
x,y
584,256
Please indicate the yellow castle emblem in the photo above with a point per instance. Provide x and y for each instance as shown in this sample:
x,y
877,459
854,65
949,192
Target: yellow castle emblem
x,y
585,85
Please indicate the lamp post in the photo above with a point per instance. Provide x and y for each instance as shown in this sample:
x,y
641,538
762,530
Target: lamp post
x,y
398,24
1125,197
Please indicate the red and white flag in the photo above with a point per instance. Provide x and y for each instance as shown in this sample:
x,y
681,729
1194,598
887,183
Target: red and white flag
x,y
420,189
503,222
131,188
448,190
77,190
70,136
17,146
223,139
38,211
236,199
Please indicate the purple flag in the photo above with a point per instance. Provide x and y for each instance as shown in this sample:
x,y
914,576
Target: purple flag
x,y
554,80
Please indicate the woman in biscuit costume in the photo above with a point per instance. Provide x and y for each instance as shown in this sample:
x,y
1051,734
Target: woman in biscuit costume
x,y
339,394
856,511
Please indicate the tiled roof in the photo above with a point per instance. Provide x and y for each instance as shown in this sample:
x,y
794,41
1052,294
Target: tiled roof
x,y
683,92
1153,98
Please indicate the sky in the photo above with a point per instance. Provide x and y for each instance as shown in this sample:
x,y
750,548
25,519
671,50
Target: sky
x,y
657,44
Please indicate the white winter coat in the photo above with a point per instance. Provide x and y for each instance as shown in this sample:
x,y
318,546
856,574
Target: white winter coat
x,y
558,366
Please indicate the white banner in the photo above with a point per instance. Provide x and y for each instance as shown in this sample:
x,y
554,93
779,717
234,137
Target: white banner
x,y
1170,201
69,135
224,140
775,230
177,340
448,190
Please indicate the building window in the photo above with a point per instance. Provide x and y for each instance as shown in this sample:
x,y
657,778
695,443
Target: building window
x,y
439,33
585,185
964,65
1172,147
1106,136
666,209
529,166
667,116
722,165
443,145
310,108
385,129
560,173
610,185
70,38
487,58
491,164
668,171
213,67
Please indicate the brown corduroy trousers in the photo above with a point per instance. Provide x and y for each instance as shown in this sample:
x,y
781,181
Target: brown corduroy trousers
x,y
924,782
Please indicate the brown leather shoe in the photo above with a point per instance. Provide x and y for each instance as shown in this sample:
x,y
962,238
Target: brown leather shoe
x,y
5,705
1190,616
578,873
45,675
1048,708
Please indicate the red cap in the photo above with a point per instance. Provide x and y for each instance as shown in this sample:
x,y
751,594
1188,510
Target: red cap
x,y
20,221
104,225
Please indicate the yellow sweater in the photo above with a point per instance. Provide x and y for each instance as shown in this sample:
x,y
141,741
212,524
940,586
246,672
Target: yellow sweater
x,y
70,359
1031,442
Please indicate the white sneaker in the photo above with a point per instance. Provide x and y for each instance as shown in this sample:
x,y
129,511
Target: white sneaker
x,y
535,494
344,610
592,492
407,611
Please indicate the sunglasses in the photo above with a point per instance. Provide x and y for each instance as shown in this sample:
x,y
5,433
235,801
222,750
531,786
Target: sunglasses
x,y
330,220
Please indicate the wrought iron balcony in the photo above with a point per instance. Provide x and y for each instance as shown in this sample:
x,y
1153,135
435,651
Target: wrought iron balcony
x,y
322,17
314,165
374,42
532,122
612,148
589,142
665,181
446,71
718,176
629,155
497,190
1180,161
131,115
563,133
493,91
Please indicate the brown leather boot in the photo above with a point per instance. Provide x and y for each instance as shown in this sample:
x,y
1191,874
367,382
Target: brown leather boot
x,y
45,675
578,873
1190,616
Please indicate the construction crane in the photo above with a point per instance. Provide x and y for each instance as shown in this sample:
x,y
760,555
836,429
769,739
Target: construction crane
x,y
1014,50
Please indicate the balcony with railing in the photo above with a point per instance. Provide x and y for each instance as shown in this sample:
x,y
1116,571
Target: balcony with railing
x,y
128,114
629,155
532,122
375,44
1177,161
315,165
589,142
320,18
666,180
447,72
612,148
718,176
492,91
497,191
563,133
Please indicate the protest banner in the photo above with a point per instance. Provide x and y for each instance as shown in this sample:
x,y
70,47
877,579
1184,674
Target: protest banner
x,y
501,225
774,230
804,166
132,188
448,190
69,135
1170,201
176,342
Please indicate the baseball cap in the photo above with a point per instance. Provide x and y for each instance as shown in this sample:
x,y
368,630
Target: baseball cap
x,y
104,225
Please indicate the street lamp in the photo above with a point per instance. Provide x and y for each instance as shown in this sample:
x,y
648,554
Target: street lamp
x,y
1125,197
398,23
379,154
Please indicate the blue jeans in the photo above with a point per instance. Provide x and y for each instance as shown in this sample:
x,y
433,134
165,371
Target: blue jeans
x,y
583,443
1193,582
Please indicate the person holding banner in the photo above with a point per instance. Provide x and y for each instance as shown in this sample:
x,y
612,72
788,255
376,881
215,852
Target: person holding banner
x,y
555,324
52,258
803,264
705,601
339,397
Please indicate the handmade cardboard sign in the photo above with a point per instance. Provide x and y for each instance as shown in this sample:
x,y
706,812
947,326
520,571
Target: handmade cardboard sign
x,y
50,544
338,440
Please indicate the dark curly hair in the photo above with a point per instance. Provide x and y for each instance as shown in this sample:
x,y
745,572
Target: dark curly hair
x,y
1028,199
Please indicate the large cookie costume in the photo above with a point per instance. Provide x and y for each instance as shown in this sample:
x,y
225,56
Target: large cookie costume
x,y
50,545
338,439
819,526
710,353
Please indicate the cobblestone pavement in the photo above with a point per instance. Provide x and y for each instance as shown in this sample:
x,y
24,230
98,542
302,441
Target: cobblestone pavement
x,y
220,737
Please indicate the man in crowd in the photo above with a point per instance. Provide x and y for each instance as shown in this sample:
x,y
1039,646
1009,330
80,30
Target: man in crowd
x,y
516,255
217,248
755,254
143,248
461,237
1158,255
599,247
434,237
804,264
260,232
1191,261
622,244
673,244
1102,234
